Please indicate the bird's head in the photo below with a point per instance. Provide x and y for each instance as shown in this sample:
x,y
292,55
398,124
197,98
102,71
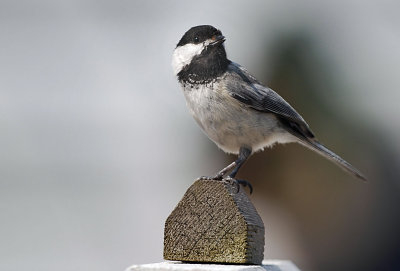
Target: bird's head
x,y
201,47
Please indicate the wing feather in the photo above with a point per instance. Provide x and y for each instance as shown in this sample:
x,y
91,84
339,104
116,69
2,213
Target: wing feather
x,y
258,97
253,94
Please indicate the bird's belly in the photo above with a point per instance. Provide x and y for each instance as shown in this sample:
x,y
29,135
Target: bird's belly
x,y
232,125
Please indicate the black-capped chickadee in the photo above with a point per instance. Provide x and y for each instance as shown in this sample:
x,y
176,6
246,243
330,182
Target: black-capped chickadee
x,y
235,110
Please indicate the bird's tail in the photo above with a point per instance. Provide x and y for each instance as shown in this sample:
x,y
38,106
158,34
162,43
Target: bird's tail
x,y
324,151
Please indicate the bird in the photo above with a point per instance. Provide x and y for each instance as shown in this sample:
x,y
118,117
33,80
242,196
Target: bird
x,y
237,112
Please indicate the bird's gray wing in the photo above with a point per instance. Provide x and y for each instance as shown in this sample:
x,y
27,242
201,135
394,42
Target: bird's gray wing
x,y
246,89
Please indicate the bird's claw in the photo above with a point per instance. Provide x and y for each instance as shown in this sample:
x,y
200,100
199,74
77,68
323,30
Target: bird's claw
x,y
217,177
229,180
246,184
237,183
232,182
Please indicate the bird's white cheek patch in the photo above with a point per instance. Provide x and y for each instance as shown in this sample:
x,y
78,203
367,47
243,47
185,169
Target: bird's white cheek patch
x,y
183,55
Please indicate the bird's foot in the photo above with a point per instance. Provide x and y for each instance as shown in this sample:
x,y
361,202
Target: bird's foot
x,y
220,175
246,184
229,180
217,177
238,183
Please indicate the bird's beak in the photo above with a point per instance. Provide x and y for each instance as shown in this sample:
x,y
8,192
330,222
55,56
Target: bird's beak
x,y
217,40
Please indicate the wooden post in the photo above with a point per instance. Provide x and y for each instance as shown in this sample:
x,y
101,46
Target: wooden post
x,y
215,222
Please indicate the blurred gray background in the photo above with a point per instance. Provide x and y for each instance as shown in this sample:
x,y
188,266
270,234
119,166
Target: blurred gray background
x,y
97,146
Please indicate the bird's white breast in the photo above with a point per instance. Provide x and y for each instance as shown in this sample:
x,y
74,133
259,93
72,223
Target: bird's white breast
x,y
229,123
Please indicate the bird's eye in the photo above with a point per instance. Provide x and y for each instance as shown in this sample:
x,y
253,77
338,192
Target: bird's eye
x,y
196,39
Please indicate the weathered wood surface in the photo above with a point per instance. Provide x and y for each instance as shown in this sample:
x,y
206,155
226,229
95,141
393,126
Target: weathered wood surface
x,y
214,222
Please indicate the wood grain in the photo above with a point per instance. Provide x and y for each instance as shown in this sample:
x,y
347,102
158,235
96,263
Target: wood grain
x,y
214,222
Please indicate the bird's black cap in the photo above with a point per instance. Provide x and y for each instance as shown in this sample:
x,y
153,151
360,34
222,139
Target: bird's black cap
x,y
198,34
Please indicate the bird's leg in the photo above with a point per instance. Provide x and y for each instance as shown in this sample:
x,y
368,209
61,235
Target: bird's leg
x,y
220,174
225,170
244,153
